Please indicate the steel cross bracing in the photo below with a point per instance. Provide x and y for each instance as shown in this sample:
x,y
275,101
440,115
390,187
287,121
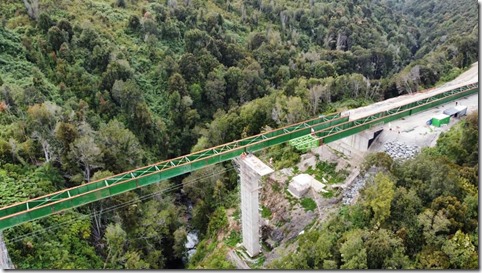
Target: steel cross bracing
x,y
325,129
77,196
304,143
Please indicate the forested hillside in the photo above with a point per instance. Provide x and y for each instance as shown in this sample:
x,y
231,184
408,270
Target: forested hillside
x,y
89,88
422,213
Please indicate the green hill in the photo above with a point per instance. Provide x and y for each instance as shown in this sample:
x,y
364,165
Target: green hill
x,y
89,88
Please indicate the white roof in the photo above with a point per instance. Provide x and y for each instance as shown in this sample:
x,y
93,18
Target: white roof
x,y
301,182
299,187
441,116
460,107
303,179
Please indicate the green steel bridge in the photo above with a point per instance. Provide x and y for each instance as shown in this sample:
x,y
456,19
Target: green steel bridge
x,y
303,135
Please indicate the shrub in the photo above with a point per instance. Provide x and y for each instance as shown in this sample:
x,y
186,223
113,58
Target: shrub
x,y
265,212
218,221
308,204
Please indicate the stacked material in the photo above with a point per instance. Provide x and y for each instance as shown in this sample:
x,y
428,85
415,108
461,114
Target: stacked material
x,y
401,151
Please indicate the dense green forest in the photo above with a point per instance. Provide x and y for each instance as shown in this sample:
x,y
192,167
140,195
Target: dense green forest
x,y
90,88
422,213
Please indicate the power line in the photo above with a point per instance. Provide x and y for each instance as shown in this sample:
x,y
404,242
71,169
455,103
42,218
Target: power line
x,y
124,204
121,205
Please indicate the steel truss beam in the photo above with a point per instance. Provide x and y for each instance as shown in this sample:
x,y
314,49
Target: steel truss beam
x,y
96,190
353,127
326,129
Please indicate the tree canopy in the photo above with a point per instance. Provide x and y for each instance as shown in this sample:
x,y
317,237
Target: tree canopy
x,y
92,88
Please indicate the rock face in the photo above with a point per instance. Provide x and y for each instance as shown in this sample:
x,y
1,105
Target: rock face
x,y
342,41
338,40
400,151
331,40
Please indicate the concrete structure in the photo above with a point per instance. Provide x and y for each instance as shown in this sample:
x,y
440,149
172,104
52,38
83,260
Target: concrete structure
x,y
251,171
317,186
461,110
457,111
363,140
301,183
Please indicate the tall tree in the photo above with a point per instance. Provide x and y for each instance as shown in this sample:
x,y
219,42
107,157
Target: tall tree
x,y
384,250
353,251
315,93
215,89
42,119
115,237
461,251
120,148
86,151
379,196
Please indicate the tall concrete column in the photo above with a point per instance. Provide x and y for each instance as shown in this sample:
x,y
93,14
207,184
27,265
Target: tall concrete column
x,y
251,171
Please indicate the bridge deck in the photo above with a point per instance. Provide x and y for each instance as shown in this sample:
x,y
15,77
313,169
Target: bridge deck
x,y
468,77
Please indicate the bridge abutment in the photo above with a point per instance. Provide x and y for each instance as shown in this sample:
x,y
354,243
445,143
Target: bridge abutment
x,y
363,140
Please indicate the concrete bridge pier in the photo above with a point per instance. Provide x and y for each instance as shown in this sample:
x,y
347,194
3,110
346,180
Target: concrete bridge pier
x,y
251,171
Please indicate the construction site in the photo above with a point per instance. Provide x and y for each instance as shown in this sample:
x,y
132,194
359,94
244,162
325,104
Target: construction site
x,y
282,192
277,206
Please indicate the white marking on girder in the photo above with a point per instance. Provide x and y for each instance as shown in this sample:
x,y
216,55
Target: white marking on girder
x,y
145,171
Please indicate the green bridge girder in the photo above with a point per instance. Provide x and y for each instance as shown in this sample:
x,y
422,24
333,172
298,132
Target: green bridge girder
x,y
96,190
324,129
